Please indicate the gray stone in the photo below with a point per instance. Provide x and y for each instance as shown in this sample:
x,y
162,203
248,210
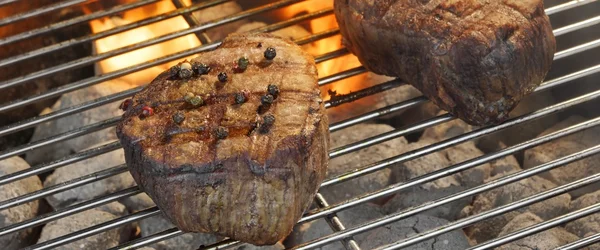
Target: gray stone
x,y
526,131
373,102
563,147
504,166
19,213
420,194
82,220
318,228
277,246
588,225
59,150
463,152
408,227
216,12
94,189
346,163
188,241
549,239
513,192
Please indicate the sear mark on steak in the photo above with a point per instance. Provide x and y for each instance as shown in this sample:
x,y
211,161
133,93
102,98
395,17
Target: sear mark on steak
x,y
210,160
473,58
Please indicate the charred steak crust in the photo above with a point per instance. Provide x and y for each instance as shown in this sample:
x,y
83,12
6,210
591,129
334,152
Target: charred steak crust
x,y
473,58
216,159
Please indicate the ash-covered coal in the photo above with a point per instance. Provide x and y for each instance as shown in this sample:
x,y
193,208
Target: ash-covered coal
x,y
549,239
589,225
19,213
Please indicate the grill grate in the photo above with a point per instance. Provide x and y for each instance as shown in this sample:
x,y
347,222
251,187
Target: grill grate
x,y
324,210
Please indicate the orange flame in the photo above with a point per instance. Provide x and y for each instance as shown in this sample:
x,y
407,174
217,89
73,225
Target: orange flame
x,y
138,35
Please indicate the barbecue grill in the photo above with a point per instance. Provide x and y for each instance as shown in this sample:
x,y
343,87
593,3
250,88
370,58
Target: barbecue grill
x,y
582,50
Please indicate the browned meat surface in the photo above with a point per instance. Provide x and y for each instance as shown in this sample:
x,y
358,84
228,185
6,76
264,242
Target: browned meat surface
x,y
473,58
231,164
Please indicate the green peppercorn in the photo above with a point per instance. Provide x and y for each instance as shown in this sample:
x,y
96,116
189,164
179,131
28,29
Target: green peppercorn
x,y
185,70
242,63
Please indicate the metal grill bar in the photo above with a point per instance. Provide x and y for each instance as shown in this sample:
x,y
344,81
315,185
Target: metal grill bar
x,y
145,241
470,192
40,11
542,226
567,6
101,78
80,181
336,224
84,83
116,30
99,57
70,210
448,171
581,243
577,26
192,21
59,163
147,213
5,2
462,138
514,205
60,137
577,49
76,20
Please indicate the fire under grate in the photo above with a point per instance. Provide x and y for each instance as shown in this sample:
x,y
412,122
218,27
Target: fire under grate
x,y
341,232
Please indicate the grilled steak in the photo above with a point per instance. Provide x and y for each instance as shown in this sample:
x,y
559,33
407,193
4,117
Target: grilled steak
x,y
473,58
235,149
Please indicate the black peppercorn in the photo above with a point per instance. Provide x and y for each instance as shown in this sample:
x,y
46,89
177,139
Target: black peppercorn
x,y
185,70
239,98
221,132
200,68
174,70
266,99
178,117
273,90
242,63
268,119
222,77
270,53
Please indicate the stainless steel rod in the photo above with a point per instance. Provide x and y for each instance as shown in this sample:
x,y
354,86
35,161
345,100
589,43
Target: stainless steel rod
x,y
70,210
118,73
192,21
567,6
147,213
336,224
448,171
5,2
40,11
73,21
86,154
509,207
542,226
70,184
581,243
60,137
342,75
116,30
470,192
455,140
577,26
159,39
577,49
145,241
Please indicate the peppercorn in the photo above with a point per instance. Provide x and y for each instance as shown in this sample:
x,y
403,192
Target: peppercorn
x,y
147,111
266,99
174,70
270,53
239,98
125,104
185,70
221,132
222,77
193,99
178,117
200,68
273,90
242,63
268,119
